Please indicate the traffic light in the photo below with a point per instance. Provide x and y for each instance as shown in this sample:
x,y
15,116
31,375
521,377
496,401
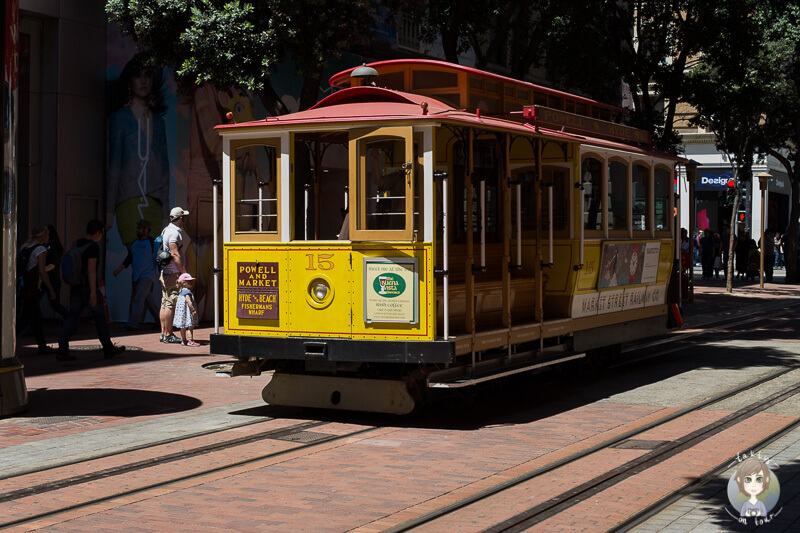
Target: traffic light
x,y
740,216
731,185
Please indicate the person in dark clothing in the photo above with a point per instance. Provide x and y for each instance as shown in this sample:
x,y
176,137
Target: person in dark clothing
x,y
708,247
32,276
741,251
767,245
55,251
85,294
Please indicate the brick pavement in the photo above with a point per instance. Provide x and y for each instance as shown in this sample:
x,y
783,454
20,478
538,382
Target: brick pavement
x,y
162,390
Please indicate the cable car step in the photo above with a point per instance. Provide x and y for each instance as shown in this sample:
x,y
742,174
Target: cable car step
x,y
468,381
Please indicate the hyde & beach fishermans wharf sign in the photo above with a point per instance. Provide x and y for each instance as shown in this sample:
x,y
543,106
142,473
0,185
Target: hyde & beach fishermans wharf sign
x,y
257,290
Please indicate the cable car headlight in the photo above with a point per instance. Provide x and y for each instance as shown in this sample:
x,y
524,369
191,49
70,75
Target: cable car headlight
x,y
319,293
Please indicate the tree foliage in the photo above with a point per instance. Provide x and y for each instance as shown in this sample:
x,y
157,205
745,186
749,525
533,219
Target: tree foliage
x,y
745,89
233,43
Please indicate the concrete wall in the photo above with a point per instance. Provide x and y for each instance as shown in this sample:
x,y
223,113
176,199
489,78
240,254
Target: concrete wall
x,y
67,113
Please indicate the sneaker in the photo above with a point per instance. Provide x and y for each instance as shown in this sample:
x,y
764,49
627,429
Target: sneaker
x,y
65,356
172,339
161,338
111,351
191,343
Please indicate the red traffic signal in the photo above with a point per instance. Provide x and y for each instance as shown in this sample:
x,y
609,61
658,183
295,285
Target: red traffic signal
x,y
731,184
740,217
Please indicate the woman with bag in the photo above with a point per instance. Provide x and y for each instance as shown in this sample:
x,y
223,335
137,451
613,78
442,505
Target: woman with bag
x,y
31,274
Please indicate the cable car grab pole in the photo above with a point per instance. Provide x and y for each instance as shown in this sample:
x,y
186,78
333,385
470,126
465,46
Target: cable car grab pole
x,y
216,253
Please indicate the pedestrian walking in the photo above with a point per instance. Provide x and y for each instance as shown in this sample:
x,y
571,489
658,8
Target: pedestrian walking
x,y
55,251
143,276
84,289
767,245
708,248
778,244
174,241
186,310
31,276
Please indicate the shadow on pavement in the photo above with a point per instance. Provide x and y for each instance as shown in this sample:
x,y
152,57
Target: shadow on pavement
x,y
105,402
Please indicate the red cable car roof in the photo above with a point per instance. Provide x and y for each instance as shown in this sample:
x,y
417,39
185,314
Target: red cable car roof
x,y
340,79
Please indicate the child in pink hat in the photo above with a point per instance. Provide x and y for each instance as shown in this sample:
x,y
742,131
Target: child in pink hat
x,y
186,310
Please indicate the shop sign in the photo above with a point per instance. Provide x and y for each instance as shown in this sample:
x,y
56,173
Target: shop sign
x,y
257,290
717,182
390,290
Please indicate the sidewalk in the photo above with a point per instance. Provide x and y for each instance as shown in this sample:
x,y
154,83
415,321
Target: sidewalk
x,y
711,301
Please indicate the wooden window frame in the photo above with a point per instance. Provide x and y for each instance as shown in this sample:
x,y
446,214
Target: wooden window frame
x,y
256,236
358,169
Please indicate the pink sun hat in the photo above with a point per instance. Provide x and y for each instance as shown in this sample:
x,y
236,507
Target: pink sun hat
x,y
185,277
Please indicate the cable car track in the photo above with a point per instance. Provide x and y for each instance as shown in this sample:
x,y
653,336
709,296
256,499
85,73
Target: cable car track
x,y
138,447
570,498
168,458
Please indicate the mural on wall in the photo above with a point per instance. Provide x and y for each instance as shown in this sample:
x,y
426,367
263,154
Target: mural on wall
x,y
201,164
163,152
140,173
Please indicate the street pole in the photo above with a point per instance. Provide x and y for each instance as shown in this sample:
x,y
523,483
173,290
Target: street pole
x,y
763,182
13,391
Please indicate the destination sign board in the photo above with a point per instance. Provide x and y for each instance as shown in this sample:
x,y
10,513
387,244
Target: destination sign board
x,y
554,118
257,290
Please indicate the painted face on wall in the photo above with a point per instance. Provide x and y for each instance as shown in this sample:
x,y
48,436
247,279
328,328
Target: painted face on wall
x,y
754,483
142,84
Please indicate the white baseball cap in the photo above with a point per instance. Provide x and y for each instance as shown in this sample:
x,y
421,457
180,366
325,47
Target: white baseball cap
x,y
177,212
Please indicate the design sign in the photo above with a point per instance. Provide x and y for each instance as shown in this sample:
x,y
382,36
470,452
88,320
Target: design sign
x,y
390,290
257,290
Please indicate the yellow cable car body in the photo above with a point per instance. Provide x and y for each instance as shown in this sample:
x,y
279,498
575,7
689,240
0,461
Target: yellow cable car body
x,y
444,229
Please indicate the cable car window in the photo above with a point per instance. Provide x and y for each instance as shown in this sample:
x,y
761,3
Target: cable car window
x,y
661,191
485,168
617,196
592,181
433,79
254,179
640,185
384,185
558,177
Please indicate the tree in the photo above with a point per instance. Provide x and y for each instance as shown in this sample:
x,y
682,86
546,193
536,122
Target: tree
x,y
728,93
779,76
232,43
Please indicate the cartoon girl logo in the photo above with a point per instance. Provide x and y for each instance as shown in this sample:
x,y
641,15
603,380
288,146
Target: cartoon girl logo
x,y
753,490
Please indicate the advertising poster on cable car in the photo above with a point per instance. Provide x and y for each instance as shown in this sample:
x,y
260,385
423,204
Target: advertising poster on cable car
x,y
390,290
629,263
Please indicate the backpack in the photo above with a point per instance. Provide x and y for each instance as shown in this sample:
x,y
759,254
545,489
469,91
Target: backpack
x,y
71,264
161,256
27,280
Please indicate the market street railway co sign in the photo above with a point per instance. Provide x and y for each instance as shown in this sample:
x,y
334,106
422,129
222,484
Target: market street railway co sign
x,y
257,290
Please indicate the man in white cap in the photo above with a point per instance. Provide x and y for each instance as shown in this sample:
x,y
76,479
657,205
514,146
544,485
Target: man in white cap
x,y
175,241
